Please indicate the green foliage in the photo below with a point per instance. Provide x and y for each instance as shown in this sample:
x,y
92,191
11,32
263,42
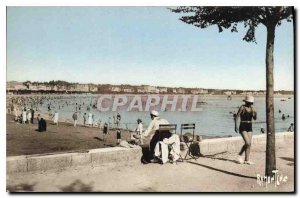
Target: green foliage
x,y
229,17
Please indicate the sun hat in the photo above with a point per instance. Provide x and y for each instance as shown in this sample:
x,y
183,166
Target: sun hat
x,y
153,112
249,99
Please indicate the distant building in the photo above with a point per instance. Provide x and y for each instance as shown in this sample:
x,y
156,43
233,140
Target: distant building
x,y
140,90
128,90
93,88
81,88
195,91
151,89
163,90
180,90
61,88
18,87
115,89
228,93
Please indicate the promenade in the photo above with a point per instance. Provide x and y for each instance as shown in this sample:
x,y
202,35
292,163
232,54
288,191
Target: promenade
x,y
212,173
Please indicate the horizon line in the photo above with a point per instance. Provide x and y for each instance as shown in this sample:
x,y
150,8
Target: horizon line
x,y
153,85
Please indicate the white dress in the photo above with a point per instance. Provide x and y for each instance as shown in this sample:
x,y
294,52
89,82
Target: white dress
x,y
24,116
55,120
90,121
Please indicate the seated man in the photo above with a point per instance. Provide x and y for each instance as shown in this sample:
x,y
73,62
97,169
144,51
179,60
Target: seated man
x,y
168,149
156,136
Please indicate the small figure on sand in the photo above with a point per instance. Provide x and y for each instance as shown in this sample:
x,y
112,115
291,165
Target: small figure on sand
x,y
55,118
118,135
139,130
118,120
105,130
90,119
32,115
291,128
29,116
42,126
246,113
75,117
24,116
84,119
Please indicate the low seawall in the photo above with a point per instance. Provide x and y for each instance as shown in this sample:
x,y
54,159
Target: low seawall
x,y
234,144
114,156
117,156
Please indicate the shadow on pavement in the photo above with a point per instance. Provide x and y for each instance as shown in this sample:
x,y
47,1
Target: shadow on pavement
x,y
77,186
222,171
20,188
97,138
287,159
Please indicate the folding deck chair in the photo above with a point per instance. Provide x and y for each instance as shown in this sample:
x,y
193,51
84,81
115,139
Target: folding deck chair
x,y
172,129
189,142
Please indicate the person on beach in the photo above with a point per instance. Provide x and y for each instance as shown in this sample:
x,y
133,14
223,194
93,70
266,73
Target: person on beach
x,y
156,136
139,131
55,118
246,113
105,130
84,119
90,119
118,120
38,117
32,115
291,128
42,125
24,116
118,136
75,117
29,116
16,113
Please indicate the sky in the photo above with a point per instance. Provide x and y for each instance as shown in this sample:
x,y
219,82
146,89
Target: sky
x,y
139,45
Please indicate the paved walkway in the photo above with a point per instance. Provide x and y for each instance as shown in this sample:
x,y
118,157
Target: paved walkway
x,y
218,173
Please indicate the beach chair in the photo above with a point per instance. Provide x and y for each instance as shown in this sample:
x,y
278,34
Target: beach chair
x,y
172,129
188,141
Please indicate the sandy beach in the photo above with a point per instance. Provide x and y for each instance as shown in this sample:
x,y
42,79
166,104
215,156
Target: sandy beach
x,y
24,139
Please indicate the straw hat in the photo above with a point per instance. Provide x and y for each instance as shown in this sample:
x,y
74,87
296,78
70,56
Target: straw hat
x,y
153,112
249,99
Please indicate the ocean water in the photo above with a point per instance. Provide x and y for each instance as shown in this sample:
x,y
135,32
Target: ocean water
x,y
215,118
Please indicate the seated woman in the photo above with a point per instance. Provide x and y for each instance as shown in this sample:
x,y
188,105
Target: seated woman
x,y
42,125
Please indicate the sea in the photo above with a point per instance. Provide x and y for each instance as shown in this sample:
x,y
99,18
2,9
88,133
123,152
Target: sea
x,y
214,119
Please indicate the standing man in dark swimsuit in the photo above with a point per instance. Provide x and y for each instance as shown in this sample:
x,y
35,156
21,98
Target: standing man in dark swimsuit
x,y
246,113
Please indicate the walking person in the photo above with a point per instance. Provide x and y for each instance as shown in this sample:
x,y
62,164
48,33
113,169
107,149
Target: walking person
x,y
246,113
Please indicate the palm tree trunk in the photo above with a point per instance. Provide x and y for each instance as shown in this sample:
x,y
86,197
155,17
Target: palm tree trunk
x,y
270,148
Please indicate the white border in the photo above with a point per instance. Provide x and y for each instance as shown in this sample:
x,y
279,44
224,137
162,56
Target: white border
x,y
104,3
